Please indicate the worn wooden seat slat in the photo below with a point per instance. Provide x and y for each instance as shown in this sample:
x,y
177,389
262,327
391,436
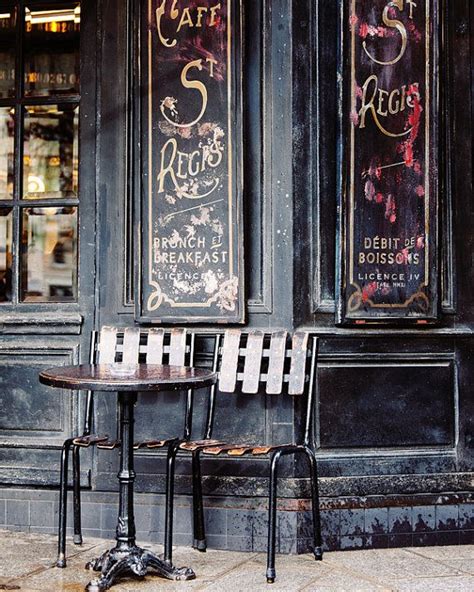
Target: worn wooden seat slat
x,y
86,441
154,350
131,344
299,357
152,443
107,343
177,347
253,362
229,361
276,363
109,444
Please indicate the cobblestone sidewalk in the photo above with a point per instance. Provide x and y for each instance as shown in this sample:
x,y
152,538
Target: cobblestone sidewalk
x,y
26,564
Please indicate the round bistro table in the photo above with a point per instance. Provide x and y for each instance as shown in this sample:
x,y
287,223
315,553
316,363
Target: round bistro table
x,y
127,380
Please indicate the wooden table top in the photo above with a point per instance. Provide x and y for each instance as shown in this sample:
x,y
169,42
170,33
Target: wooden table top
x,y
127,377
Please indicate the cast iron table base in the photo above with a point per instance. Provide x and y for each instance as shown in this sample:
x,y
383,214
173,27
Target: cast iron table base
x,y
126,558
133,560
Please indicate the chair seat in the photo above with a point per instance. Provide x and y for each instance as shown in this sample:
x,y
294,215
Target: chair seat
x,y
194,445
242,449
153,443
109,445
86,441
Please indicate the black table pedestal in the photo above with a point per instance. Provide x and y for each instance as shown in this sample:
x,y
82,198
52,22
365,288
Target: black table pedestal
x,y
126,558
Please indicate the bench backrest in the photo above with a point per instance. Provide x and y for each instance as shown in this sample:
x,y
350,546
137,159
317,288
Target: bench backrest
x,y
152,346
132,345
250,359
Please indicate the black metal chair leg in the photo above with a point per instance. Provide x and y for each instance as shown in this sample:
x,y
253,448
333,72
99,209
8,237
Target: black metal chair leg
x,y
318,550
170,466
272,515
199,541
76,496
61,561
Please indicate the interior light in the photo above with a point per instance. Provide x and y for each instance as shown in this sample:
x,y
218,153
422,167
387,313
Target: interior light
x,y
51,16
5,15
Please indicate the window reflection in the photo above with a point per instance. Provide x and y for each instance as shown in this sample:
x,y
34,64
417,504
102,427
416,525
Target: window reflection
x,y
50,159
7,125
5,254
52,49
49,254
7,52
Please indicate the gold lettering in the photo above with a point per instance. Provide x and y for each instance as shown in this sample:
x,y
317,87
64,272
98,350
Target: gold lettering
x,y
394,110
192,84
393,24
381,100
201,10
160,11
185,19
211,63
214,9
168,169
369,105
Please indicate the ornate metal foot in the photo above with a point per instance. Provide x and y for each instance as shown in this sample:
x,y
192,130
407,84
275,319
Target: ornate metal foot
x,y
98,563
136,561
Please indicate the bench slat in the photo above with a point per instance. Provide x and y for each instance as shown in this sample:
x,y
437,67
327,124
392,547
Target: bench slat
x,y
154,351
131,343
107,343
229,361
177,347
298,363
253,362
276,362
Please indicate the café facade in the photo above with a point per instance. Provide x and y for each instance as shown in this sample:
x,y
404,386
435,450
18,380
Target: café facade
x,y
254,164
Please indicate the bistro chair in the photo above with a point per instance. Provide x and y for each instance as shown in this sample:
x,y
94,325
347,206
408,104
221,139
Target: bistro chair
x,y
251,363
129,346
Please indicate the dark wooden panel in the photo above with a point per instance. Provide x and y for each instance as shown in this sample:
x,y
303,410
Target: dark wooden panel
x,y
373,402
388,239
27,408
191,223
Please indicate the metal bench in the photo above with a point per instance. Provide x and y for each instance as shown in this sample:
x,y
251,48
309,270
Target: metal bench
x,y
255,363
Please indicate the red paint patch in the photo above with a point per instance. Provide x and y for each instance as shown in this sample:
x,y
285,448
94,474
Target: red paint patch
x,y
379,198
390,209
420,191
368,291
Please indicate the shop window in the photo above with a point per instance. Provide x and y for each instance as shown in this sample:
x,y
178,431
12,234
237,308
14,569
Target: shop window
x,y
39,151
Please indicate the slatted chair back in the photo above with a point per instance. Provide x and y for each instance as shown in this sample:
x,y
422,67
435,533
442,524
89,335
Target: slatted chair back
x,y
273,363
132,345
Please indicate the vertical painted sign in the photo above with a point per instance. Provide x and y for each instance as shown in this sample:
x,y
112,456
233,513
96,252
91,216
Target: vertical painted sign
x,y
191,230
388,223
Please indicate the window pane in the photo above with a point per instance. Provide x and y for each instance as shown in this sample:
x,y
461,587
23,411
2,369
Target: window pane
x,y
7,52
5,254
52,49
49,255
7,130
50,159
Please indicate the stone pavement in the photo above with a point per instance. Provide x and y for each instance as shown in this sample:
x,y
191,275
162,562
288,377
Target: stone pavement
x,y
26,564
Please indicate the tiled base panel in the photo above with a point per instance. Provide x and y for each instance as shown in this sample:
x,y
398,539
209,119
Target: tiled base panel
x,y
241,523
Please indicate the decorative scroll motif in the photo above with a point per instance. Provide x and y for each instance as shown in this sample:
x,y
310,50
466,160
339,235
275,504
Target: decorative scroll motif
x,y
191,210
388,235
